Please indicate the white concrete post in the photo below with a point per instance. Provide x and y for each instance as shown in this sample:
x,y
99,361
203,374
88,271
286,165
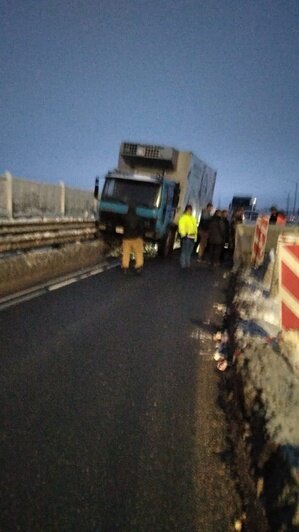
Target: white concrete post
x,y
8,195
62,198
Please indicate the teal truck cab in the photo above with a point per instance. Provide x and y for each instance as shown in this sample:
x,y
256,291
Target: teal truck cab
x,y
155,199
158,181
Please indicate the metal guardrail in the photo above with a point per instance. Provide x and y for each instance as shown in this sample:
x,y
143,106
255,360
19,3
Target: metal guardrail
x,y
24,235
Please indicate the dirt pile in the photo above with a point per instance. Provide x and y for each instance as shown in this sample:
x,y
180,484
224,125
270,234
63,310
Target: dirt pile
x,y
263,382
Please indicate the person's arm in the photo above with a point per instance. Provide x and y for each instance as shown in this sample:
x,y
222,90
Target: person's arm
x,y
194,228
182,228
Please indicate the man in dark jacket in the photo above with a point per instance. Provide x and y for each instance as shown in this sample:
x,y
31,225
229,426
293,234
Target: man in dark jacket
x,y
224,252
216,237
273,215
203,230
132,240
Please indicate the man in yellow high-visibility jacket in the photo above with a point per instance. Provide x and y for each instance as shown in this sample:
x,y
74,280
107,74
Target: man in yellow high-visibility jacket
x,y
188,234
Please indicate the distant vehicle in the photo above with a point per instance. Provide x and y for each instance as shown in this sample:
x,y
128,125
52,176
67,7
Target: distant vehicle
x,y
248,203
250,216
159,182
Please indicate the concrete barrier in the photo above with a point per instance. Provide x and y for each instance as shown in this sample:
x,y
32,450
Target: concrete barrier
x,y
244,240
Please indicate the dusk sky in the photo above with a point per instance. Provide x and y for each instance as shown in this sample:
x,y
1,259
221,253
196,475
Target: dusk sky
x,y
218,78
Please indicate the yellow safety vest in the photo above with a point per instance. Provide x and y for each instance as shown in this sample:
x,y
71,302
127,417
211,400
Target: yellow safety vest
x,y
188,225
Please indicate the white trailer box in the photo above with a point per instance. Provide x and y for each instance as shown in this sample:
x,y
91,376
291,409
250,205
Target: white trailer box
x,y
196,178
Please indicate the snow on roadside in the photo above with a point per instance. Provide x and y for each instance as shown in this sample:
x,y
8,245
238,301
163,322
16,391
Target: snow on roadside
x,y
271,357
268,361
22,271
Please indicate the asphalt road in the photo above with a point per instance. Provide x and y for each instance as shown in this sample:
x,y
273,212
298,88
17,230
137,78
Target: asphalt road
x,y
109,406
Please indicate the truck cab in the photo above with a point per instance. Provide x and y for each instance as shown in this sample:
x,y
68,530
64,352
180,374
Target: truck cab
x,y
154,197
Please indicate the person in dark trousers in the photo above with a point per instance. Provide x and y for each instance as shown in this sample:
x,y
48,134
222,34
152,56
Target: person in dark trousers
x,y
225,249
132,240
188,231
203,230
216,238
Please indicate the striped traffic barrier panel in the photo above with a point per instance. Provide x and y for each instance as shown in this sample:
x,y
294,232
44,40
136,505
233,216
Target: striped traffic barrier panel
x,y
259,240
288,264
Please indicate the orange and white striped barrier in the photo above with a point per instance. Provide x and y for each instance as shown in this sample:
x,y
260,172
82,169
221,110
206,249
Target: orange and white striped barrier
x,y
288,264
259,240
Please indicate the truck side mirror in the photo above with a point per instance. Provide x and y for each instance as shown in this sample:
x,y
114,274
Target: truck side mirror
x,y
96,188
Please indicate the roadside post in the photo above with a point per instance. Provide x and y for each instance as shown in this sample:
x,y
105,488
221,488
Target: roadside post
x,y
259,240
288,265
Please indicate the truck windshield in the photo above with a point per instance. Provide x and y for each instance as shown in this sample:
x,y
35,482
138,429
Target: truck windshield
x,y
132,192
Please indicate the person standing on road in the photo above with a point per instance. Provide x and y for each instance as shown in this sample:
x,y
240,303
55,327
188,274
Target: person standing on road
x,y
132,240
216,238
273,214
203,230
224,252
188,232
281,218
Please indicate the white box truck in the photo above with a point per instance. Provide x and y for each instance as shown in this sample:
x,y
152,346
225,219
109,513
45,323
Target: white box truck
x,y
159,181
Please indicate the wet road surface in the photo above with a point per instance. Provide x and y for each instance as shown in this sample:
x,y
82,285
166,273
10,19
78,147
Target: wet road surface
x,y
110,418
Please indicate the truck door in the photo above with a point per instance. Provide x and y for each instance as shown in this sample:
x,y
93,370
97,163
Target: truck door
x,y
167,228
167,212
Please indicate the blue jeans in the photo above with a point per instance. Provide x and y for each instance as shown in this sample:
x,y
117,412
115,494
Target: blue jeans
x,y
187,245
